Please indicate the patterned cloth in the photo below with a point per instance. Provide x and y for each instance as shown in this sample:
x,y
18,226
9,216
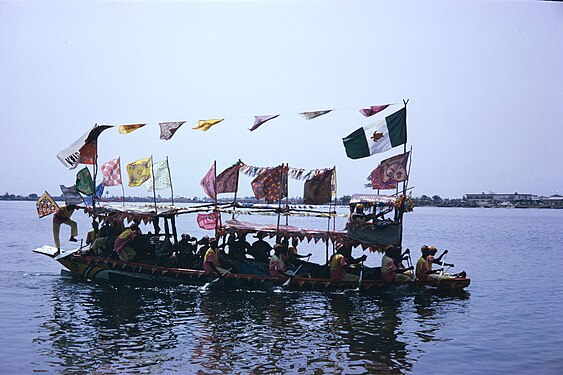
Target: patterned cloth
x,y
139,171
46,205
312,115
161,175
126,129
208,221
259,120
377,180
204,125
318,190
167,129
271,184
208,183
227,181
111,172
367,112
72,196
84,182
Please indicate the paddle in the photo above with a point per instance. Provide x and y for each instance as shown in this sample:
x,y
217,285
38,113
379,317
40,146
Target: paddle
x,y
286,283
207,285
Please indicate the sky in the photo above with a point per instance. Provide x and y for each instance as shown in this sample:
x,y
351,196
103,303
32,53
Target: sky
x,y
484,80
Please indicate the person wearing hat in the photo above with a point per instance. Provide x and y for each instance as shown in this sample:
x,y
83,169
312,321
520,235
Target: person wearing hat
x,y
239,247
389,271
424,269
342,260
277,266
260,249
211,259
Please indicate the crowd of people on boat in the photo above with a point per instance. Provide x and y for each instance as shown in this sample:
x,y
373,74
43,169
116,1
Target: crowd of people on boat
x,y
111,239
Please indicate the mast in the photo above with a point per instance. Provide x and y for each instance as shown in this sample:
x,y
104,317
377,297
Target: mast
x,y
401,208
170,178
153,187
95,170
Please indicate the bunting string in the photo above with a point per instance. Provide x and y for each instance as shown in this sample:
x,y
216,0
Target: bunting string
x,y
299,174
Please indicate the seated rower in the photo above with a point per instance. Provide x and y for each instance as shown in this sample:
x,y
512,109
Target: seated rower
x,y
122,243
341,261
277,265
211,260
358,217
424,269
293,255
260,249
389,271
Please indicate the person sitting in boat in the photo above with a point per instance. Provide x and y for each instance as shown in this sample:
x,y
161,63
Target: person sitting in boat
x,y
358,217
62,216
239,248
122,246
260,249
211,259
103,244
389,271
339,264
400,259
424,271
277,265
293,256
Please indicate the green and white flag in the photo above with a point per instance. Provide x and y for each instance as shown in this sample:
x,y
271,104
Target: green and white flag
x,y
378,137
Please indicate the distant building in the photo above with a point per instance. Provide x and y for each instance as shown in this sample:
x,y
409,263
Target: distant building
x,y
554,201
493,199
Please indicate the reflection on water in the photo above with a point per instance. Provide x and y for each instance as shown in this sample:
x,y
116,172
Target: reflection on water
x,y
102,329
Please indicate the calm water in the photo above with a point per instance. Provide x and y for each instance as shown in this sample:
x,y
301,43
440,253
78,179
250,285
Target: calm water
x,y
509,321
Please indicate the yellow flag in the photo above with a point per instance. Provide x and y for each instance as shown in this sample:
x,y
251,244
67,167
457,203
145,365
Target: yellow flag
x,y
139,171
126,129
206,124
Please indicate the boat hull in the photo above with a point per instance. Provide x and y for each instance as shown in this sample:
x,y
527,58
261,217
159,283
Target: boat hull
x,y
118,272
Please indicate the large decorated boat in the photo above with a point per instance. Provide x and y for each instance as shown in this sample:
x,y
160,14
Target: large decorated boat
x,y
374,222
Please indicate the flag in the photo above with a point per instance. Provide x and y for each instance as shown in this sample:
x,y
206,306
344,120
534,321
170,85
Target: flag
x,y
208,183
208,221
84,182
139,171
204,125
126,129
312,115
377,181
271,184
161,174
70,156
318,190
377,137
259,120
99,193
367,112
111,172
72,196
88,153
227,181
394,169
46,205
168,129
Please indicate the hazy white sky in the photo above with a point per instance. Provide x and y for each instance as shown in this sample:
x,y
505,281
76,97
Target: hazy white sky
x,y
484,79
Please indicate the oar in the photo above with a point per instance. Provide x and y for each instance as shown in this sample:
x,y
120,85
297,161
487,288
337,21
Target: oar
x,y
286,283
442,267
361,275
207,285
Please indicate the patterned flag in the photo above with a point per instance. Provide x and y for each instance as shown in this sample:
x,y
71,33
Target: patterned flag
x,y
46,205
208,183
84,182
208,221
99,193
389,172
312,115
271,184
204,125
168,129
377,181
318,190
367,112
227,181
70,156
161,174
126,129
111,172
72,196
259,120
88,153
139,171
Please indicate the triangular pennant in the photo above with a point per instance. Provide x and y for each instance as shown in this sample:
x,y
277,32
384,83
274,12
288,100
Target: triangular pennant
x,y
204,125
259,120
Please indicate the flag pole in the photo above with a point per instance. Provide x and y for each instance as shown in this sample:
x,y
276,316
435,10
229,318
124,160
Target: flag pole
x,y
218,223
153,187
286,179
236,190
122,188
279,203
170,178
95,170
401,208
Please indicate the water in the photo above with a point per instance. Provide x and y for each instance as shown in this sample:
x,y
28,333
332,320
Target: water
x,y
509,321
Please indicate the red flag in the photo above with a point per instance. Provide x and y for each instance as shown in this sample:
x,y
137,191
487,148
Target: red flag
x,y
271,184
377,181
318,190
394,169
208,183
367,112
88,153
111,171
208,221
227,181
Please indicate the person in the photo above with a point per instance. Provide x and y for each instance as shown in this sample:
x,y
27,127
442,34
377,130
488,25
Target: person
x,y
339,264
260,249
277,265
424,271
399,261
239,248
389,271
62,216
103,244
293,255
122,243
211,260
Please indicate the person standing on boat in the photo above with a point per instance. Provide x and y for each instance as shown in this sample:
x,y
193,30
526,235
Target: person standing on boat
x,y
62,216
260,249
211,259
389,271
339,263
122,243
277,265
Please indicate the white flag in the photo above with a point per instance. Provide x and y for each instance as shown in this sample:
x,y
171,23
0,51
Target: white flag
x,y
161,175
